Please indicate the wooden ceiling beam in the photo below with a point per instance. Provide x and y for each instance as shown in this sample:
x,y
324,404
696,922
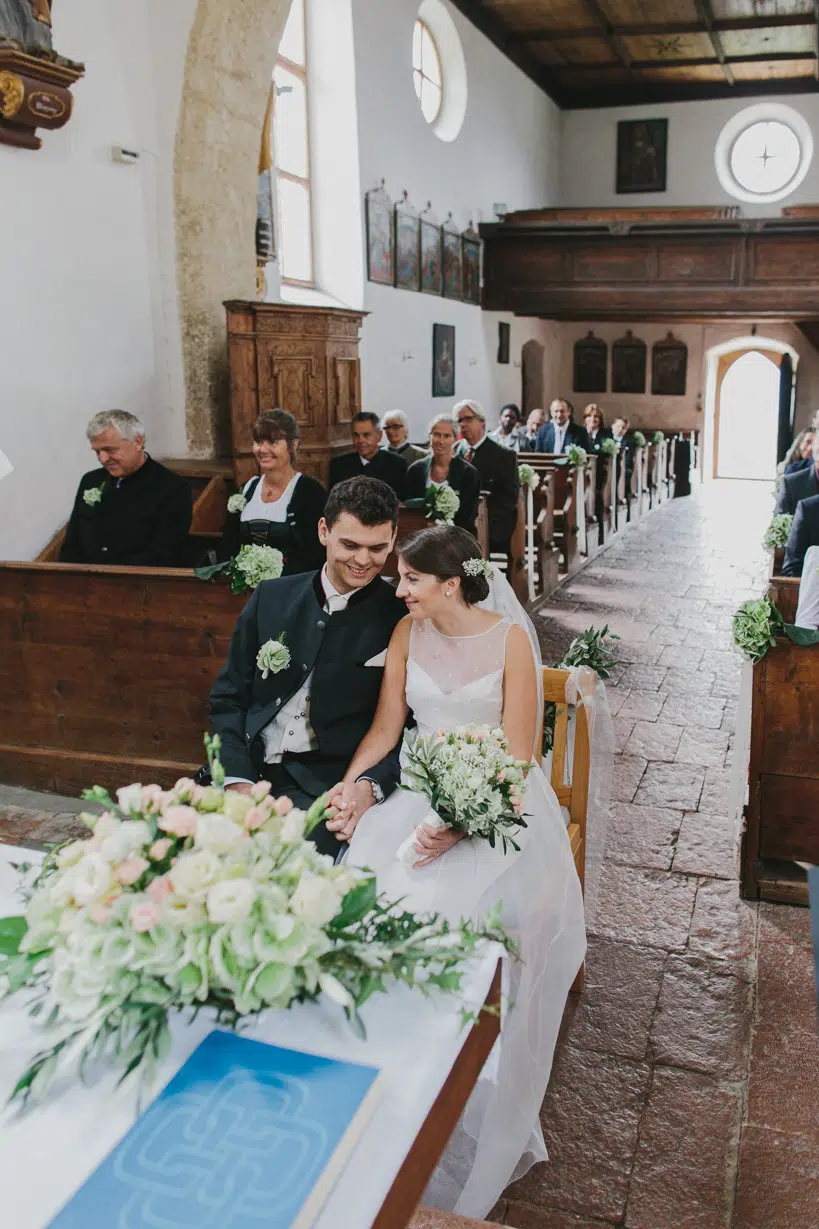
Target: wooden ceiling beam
x,y
729,25
607,30
706,16
695,61
501,36
581,97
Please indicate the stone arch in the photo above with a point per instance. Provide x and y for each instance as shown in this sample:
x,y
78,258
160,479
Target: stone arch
x,y
231,52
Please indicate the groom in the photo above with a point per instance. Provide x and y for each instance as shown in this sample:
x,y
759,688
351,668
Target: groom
x,y
300,726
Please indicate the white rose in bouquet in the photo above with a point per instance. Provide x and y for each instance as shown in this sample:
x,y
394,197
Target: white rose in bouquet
x,y
194,873
231,901
315,900
217,833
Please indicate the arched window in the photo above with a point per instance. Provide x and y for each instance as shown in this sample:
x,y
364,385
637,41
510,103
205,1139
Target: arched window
x,y
293,181
426,72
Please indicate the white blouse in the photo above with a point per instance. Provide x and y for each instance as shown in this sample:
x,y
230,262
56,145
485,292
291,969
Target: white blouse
x,y
256,509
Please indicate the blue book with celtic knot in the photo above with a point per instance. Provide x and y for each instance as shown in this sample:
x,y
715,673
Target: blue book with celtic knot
x,y
245,1136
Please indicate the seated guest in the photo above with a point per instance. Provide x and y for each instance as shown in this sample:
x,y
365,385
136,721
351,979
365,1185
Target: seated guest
x,y
282,508
561,433
442,466
534,422
132,511
396,428
804,534
799,485
368,457
509,432
624,442
799,455
596,428
498,471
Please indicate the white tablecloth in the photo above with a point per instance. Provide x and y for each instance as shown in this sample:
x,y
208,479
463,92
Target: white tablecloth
x,y
47,1151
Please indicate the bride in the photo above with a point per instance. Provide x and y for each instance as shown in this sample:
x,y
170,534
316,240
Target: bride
x,y
452,661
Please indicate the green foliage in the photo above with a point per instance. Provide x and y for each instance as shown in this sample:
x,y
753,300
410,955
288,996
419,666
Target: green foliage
x,y
608,447
639,439
778,531
591,650
657,437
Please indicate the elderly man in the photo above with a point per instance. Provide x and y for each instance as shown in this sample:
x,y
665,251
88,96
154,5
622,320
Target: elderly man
x,y
396,428
368,457
561,433
537,419
498,470
132,511
803,484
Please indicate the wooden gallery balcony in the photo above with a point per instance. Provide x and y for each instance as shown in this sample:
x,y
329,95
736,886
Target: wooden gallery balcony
x,y
660,264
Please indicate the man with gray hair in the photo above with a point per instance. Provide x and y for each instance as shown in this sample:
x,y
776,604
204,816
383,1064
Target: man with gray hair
x,y
498,470
132,511
395,426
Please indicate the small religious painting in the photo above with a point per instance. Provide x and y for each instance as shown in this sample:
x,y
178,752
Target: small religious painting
x,y
407,247
432,278
471,266
452,263
504,341
628,365
380,249
641,155
669,364
591,358
443,360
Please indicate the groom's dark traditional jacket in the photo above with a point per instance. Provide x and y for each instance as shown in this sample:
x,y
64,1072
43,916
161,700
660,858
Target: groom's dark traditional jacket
x,y
343,693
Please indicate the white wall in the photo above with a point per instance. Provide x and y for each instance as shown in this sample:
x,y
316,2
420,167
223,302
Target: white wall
x,y
88,308
589,154
507,150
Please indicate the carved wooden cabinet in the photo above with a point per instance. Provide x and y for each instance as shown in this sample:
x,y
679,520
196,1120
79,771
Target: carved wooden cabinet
x,y
301,359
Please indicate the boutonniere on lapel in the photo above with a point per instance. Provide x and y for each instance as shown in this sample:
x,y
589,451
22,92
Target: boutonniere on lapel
x,y
93,495
273,656
237,502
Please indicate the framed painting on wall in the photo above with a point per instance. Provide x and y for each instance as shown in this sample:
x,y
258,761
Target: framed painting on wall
x,y
451,244
471,266
591,360
443,360
504,341
642,147
380,240
407,247
628,365
669,365
432,279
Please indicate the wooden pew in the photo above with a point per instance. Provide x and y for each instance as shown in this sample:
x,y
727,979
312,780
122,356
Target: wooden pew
x,y
783,774
410,520
565,508
109,670
548,554
516,563
619,494
783,591
776,555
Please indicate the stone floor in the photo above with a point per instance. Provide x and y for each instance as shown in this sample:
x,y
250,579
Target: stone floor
x,y
685,1090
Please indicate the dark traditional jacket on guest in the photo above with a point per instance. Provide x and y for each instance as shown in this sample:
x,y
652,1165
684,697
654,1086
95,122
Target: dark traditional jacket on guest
x,y
409,453
140,521
795,466
804,533
594,444
384,465
462,477
575,435
498,472
794,487
296,538
344,690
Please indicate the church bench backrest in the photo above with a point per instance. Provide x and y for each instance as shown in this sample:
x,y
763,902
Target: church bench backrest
x,y
572,787
783,591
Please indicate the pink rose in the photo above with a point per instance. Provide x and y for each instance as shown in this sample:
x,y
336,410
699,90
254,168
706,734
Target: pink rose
x,y
130,870
260,790
144,916
151,796
179,820
99,913
159,849
197,793
255,817
158,889
184,786
282,806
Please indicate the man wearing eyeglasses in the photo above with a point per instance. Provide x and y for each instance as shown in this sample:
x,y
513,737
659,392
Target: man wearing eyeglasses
x,y
498,469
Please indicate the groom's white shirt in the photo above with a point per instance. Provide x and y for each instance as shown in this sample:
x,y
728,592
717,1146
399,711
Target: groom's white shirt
x,y
290,730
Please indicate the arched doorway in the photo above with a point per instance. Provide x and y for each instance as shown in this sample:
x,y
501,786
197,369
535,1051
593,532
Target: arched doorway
x,y
531,358
746,413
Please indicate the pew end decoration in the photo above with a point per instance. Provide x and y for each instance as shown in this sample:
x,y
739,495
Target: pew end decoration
x,y
608,447
778,531
639,439
249,568
528,477
439,504
201,898
577,456
757,625
590,650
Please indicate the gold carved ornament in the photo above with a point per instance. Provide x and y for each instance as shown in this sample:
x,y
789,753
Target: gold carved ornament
x,y
12,92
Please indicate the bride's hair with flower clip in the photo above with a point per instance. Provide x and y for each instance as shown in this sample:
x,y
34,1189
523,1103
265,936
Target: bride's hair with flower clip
x,y
442,551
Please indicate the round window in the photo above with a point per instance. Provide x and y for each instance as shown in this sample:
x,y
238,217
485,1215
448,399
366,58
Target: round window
x,y
439,69
763,153
426,72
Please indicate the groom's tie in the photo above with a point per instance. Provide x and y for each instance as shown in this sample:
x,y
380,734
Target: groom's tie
x,y
336,602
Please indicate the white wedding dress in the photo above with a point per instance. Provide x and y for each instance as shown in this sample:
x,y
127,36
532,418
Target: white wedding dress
x,y
453,682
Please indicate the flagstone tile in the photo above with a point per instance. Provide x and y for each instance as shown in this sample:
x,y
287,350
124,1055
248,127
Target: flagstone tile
x,y
644,906
685,656
58,828
706,845
671,785
616,698
722,924
17,824
654,740
642,836
784,924
716,791
623,729
643,705
627,774
687,710
778,1182
643,678
520,1217
703,1017
687,682
667,633
621,987
708,748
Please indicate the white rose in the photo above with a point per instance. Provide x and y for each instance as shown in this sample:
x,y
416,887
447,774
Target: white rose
x,y
315,900
236,805
217,833
231,901
291,830
105,824
128,838
129,799
69,855
90,879
194,873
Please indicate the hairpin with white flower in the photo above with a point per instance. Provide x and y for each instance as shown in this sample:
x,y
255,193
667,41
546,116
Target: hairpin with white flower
x,y
478,567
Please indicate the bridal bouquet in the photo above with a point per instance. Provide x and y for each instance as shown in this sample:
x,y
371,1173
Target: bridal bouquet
x,y
197,897
249,568
471,781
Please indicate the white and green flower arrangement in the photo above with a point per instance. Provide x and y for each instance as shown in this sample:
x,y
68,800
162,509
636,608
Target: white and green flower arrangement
x,y
273,656
778,531
577,456
441,503
592,649
472,782
757,625
249,568
657,437
608,447
528,477
237,502
93,495
197,898
639,439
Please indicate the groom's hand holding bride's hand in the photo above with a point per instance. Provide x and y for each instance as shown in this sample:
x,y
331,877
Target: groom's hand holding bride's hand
x,y
350,800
